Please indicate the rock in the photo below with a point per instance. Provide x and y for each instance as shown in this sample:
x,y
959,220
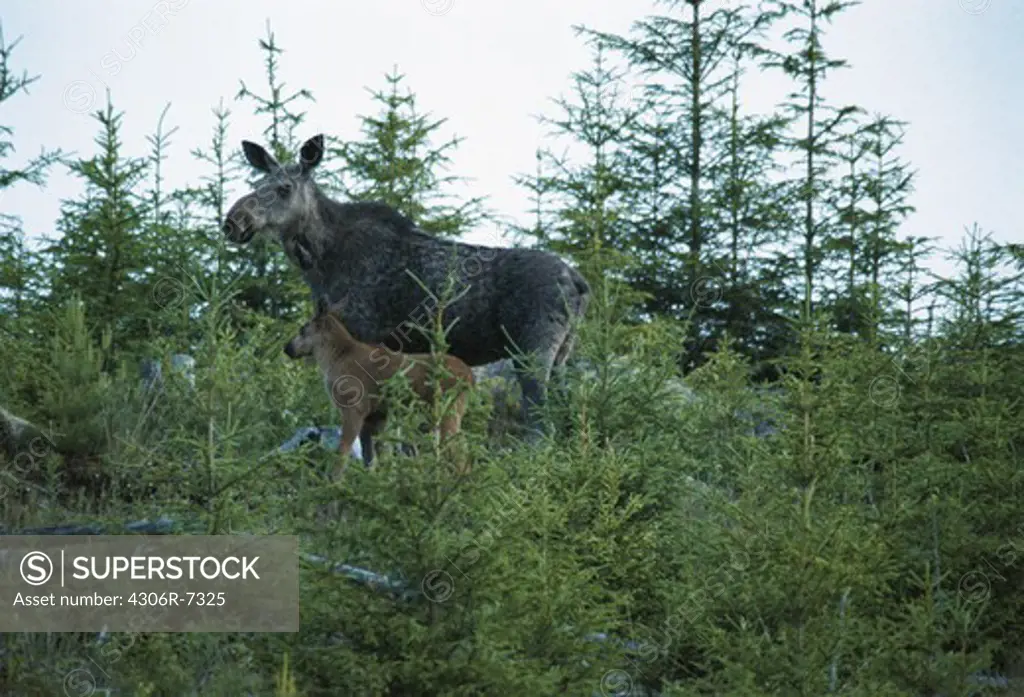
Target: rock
x,y
184,365
498,370
327,437
17,434
151,370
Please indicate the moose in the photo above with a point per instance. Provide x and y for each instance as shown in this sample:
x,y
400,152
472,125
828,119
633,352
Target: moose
x,y
386,276
354,373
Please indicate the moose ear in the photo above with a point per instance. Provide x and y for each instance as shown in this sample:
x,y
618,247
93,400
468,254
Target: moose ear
x,y
258,157
311,153
323,306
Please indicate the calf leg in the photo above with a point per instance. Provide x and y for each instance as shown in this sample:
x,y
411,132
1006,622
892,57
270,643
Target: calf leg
x,y
373,425
351,427
366,445
451,425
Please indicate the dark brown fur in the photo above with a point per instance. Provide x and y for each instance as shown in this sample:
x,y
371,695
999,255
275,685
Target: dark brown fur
x,y
354,372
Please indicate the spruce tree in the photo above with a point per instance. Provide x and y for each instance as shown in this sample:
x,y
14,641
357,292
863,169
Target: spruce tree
x,y
808,65
397,163
685,155
157,195
19,269
174,248
983,300
910,289
889,184
847,208
868,205
282,119
212,193
267,283
753,219
102,254
687,53
585,217
656,225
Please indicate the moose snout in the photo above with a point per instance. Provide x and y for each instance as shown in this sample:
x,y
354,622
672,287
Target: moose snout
x,y
236,230
239,224
289,349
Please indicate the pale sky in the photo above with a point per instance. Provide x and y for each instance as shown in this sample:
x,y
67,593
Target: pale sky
x,y
951,68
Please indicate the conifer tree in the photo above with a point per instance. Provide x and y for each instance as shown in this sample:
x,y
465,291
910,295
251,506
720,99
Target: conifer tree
x,y
689,59
182,247
846,205
749,198
213,192
102,254
656,225
868,204
983,300
283,120
584,218
19,270
170,219
397,163
17,274
753,217
541,187
267,283
808,64
157,195
684,152
910,288
582,209
888,186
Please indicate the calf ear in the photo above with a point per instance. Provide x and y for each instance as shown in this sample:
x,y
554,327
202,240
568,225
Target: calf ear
x,y
311,153
258,157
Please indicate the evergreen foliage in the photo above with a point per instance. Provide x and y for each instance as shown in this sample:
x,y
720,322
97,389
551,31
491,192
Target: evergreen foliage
x,y
398,164
786,458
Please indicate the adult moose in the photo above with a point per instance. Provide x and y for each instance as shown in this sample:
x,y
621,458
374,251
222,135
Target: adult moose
x,y
361,254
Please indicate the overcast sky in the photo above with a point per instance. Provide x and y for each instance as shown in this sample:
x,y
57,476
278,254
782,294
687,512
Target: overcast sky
x,y
951,68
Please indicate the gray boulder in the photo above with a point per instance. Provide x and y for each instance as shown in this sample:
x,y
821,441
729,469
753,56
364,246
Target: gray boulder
x,y
151,370
327,437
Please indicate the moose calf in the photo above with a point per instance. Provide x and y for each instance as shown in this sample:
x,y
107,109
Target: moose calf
x,y
353,373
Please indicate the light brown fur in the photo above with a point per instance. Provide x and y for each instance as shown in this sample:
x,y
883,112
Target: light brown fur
x,y
354,372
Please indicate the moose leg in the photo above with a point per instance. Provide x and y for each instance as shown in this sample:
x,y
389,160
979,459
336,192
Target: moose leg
x,y
557,380
540,333
533,380
565,349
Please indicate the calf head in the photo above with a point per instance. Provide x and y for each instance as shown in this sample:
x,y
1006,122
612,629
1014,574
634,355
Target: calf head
x,y
313,333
